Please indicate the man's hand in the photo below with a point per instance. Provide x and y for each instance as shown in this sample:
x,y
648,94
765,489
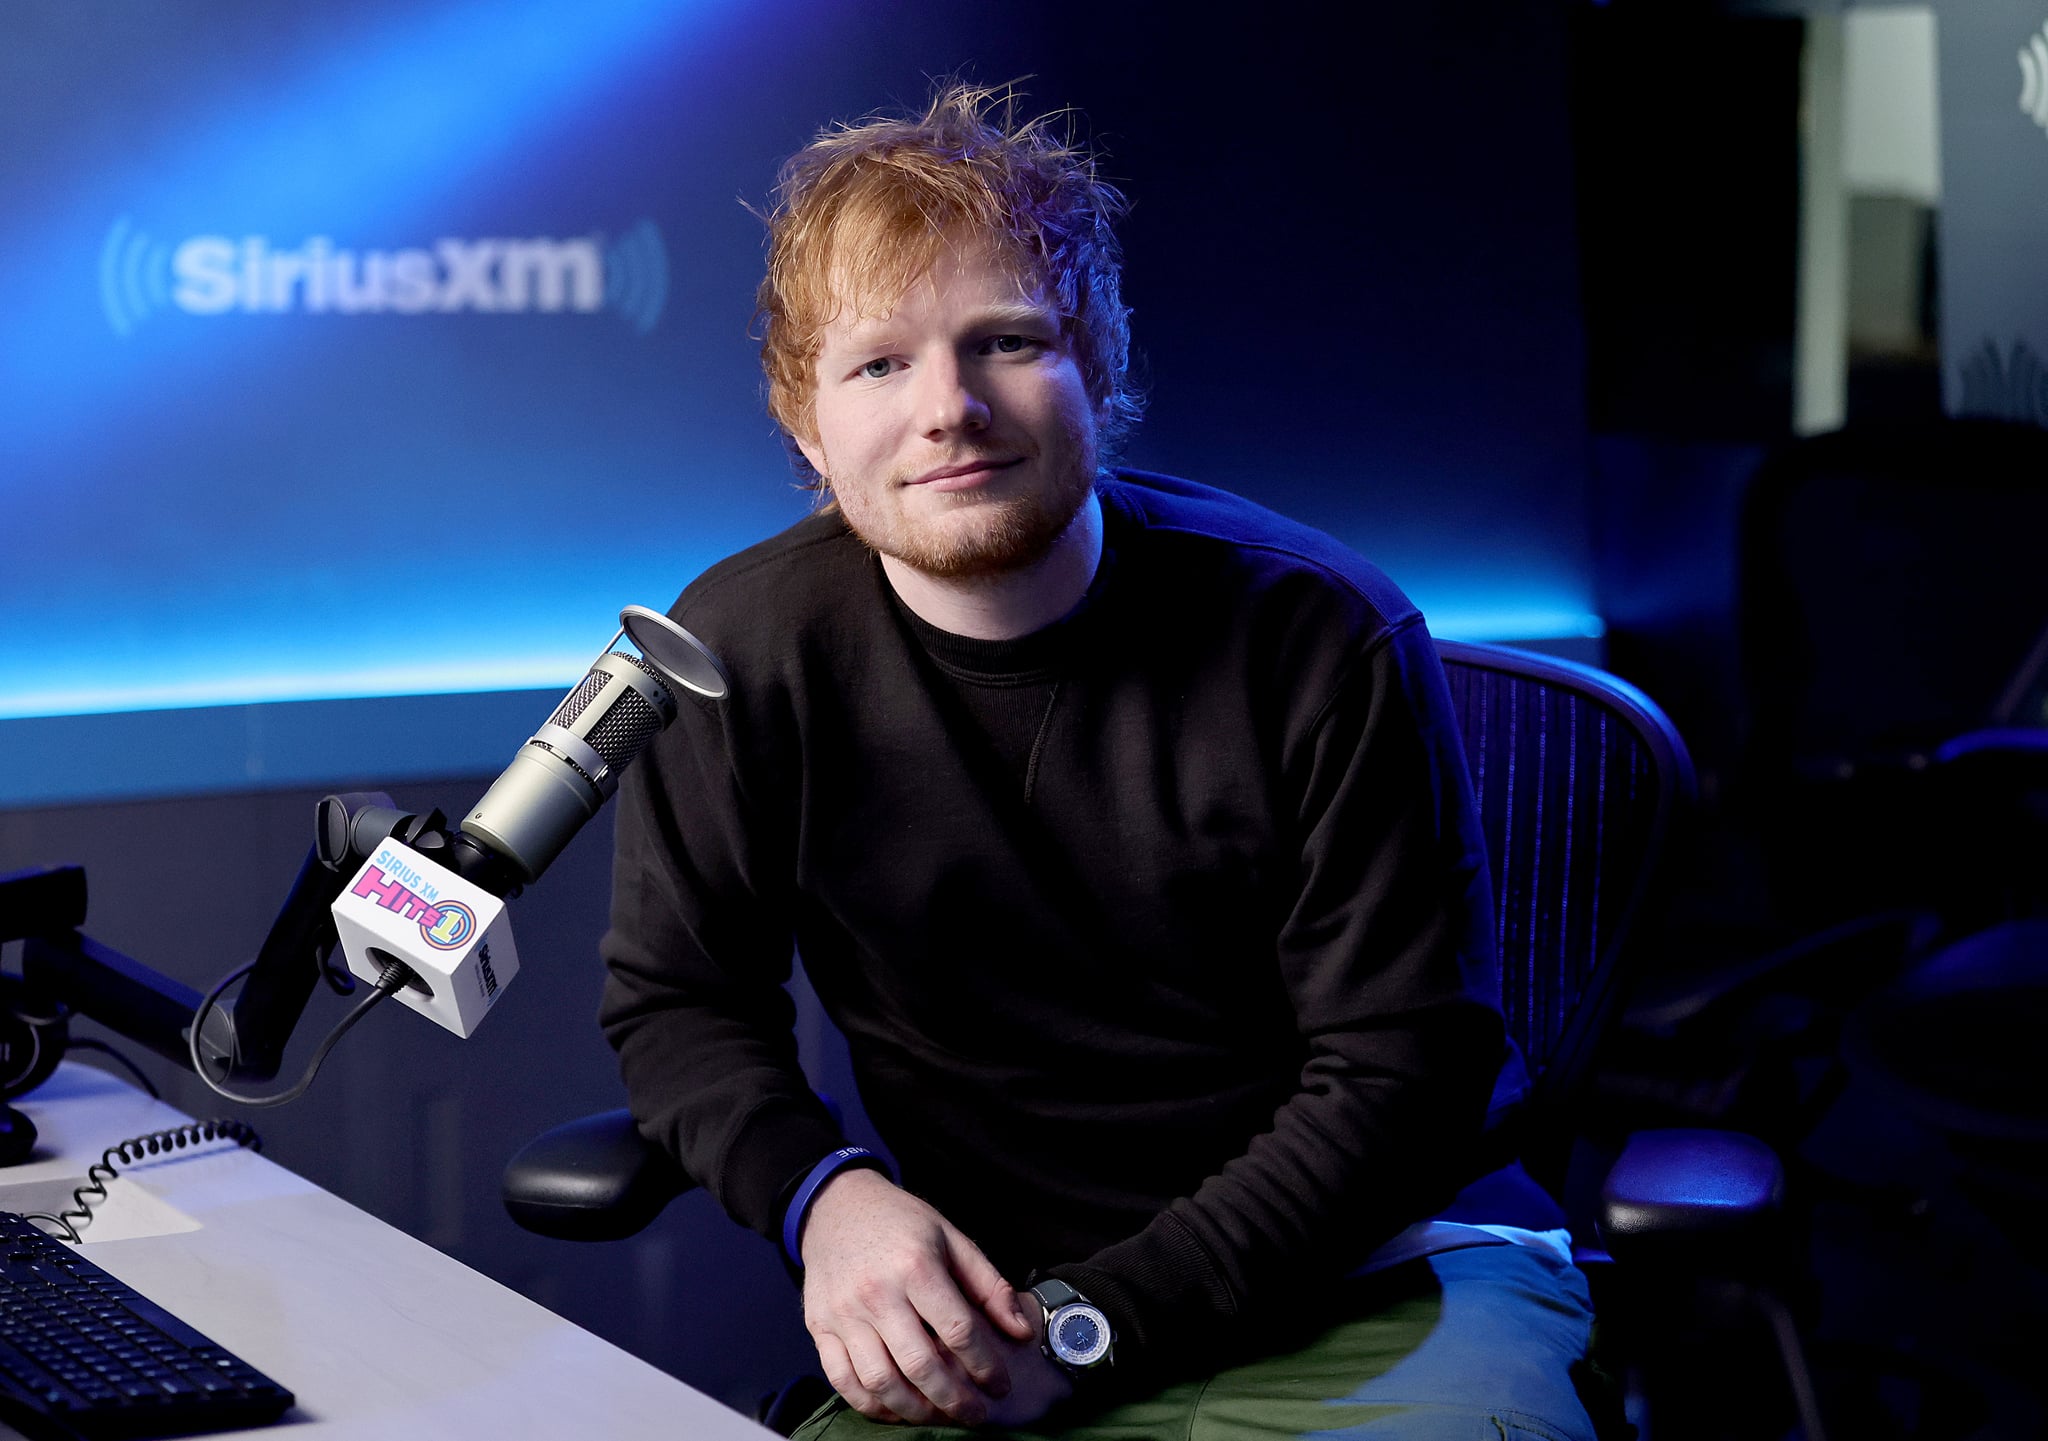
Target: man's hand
x,y
911,1321
1036,1384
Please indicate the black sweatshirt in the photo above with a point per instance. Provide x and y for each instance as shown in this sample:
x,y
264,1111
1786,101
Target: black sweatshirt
x,y
1160,938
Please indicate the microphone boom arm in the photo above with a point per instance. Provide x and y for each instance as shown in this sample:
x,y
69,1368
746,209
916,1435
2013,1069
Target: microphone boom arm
x,y
242,1040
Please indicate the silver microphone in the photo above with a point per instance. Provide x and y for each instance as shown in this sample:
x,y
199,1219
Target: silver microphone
x,y
570,766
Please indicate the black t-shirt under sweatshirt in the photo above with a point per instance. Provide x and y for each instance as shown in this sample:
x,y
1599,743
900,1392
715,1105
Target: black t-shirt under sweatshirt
x,y
1161,938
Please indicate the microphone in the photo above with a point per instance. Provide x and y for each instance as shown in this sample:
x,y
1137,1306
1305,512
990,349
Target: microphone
x,y
570,766
408,906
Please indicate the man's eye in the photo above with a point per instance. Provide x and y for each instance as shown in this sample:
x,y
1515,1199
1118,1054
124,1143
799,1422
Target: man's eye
x,y
1008,344
877,369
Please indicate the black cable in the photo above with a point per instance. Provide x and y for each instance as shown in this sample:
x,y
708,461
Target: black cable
x,y
340,979
94,1191
393,977
88,1043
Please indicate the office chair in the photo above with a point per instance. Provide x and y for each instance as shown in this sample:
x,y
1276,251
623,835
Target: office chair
x,y
1579,779
1890,792
1892,782
1892,775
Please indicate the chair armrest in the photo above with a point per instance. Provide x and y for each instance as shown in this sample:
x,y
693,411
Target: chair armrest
x,y
592,1179
2024,750
1691,1198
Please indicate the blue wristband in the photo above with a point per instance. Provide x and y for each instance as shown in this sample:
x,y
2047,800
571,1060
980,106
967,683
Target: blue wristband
x,y
800,1204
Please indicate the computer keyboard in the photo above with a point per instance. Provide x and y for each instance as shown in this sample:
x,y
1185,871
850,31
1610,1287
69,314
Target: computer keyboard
x,y
83,1355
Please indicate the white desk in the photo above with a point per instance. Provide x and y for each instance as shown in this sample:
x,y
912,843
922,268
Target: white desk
x,y
378,1335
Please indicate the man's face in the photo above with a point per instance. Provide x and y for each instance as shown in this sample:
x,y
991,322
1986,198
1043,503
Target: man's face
x,y
955,431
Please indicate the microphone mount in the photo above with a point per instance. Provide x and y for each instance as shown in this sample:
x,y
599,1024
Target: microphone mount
x,y
348,829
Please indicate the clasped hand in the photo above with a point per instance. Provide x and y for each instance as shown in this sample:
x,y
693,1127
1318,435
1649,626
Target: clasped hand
x,y
912,1323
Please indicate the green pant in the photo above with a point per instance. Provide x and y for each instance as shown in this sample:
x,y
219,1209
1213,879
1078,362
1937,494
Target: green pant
x,y
1482,1344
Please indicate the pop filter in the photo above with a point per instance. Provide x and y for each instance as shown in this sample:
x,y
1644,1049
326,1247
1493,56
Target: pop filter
x,y
673,651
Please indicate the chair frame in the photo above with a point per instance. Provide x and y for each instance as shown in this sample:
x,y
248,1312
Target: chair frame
x,y
1531,911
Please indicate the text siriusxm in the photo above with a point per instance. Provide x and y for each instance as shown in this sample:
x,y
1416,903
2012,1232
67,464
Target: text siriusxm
x,y
214,274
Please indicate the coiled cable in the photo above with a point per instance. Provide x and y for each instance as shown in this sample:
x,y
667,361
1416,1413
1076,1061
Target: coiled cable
x,y
128,1153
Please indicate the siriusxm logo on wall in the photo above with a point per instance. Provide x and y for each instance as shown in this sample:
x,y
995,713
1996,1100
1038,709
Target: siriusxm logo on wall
x,y
325,312
216,275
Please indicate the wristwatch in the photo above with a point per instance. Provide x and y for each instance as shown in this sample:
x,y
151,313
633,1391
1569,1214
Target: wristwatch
x,y
1078,1337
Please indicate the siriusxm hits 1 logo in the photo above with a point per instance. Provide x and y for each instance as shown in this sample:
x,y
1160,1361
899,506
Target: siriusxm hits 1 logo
x,y
446,925
451,934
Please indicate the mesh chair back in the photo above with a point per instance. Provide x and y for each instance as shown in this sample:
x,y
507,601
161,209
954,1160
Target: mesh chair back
x,y
1578,774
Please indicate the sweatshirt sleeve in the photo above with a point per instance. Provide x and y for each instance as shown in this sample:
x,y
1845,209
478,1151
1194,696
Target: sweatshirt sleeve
x,y
1386,955
697,954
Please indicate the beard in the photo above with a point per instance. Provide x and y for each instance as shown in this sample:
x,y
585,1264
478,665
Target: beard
x,y
979,536
994,537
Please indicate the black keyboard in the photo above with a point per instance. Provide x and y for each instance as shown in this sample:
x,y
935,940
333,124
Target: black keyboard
x,y
82,1355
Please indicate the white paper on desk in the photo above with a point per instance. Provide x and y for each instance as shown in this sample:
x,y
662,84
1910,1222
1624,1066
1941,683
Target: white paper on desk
x,y
128,1210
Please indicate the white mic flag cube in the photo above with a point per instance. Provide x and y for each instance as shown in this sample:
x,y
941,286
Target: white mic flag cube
x,y
454,936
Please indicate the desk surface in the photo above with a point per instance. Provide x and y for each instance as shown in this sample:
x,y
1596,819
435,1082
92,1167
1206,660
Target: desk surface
x,y
377,1334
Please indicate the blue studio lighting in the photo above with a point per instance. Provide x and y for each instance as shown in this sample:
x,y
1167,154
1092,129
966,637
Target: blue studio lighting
x,y
363,359
378,131
200,511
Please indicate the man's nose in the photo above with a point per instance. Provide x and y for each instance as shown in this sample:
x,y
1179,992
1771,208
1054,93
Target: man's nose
x,y
949,400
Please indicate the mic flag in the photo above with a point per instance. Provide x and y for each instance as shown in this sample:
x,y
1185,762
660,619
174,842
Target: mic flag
x,y
453,936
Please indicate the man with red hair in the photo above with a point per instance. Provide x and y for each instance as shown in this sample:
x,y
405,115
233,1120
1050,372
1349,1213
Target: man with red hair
x,y
1123,829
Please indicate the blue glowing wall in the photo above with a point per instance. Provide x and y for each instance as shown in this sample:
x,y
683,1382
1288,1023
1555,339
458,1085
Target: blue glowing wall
x,y
372,348
360,351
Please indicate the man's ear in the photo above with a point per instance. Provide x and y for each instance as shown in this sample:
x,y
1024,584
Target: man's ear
x,y
814,453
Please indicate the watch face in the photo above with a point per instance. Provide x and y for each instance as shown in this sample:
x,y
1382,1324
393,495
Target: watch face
x,y
1079,1335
